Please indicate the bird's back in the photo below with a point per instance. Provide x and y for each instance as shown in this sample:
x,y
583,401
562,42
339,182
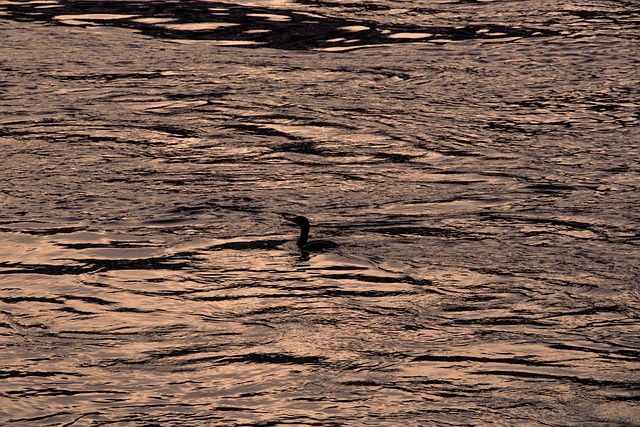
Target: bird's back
x,y
319,245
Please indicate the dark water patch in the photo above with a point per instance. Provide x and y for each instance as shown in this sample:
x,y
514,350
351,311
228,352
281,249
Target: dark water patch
x,y
361,383
90,300
462,308
111,244
154,263
631,385
48,300
568,224
262,130
177,353
207,96
521,128
75,311
133,310
193,209
49,231
591,311
163,221
286,285
502,321
501,360
302,147
274,358
255,26
152,292
120,334
175,130
550,188
357,6
90,265
422,231
50,391
243,204
273,310
250,245
44,417
492,271
366,294
620,18
633,354
418,282
482,298
250,358
631,398
109,77
456,152
6,374
260,295
344,267
396,158
457,182
367,278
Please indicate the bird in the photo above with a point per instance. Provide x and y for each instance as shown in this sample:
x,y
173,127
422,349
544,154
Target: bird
x,y
303,243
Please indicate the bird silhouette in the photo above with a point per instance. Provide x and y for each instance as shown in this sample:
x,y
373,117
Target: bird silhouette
x,y
303,241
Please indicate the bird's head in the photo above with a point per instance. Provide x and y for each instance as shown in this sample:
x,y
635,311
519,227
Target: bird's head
x,y
301,221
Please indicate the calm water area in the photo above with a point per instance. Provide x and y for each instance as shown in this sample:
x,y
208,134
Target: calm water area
x,y
478,163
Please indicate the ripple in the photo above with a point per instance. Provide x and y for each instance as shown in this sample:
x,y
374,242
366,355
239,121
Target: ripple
x,y
481,180
237,25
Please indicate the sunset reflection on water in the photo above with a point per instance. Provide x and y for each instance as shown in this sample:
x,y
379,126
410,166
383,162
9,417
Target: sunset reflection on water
x,y
477,164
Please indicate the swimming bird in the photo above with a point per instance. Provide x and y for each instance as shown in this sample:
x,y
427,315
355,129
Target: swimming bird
x,y
303,243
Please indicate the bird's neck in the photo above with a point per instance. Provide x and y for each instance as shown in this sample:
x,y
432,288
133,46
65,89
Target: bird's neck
x,y
304,236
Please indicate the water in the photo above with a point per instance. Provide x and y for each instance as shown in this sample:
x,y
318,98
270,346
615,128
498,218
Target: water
x,y
478,162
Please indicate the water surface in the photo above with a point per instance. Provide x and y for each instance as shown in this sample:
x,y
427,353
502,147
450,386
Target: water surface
x,y
478,162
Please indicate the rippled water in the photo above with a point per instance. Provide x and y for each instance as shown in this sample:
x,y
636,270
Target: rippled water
x,y
478,162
